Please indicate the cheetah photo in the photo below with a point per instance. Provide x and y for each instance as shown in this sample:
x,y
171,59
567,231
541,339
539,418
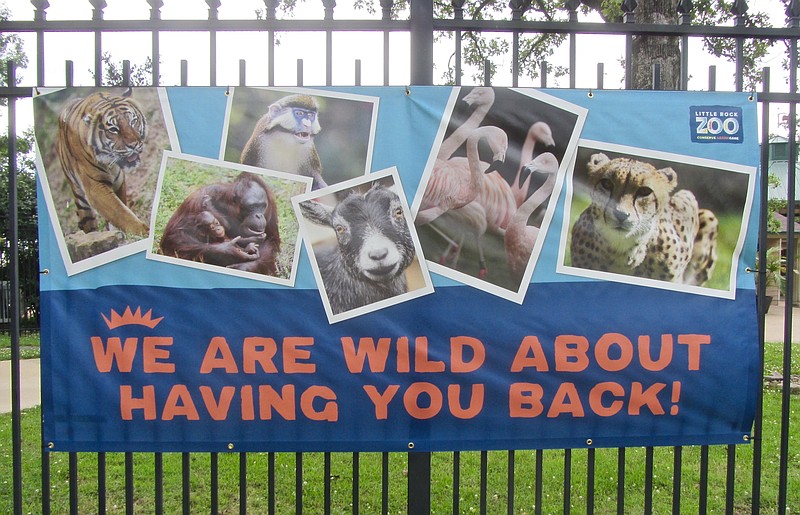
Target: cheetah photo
x,y
655,219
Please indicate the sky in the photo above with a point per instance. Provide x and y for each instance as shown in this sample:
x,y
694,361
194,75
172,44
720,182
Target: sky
x,y
309,46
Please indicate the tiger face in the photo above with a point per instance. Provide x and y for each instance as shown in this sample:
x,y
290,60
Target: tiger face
x,y
117,130
629,196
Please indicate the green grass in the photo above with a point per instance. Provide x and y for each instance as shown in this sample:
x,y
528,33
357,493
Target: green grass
x,y
370,482
29,346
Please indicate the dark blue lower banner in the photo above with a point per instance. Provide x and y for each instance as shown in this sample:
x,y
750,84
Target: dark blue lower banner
x,y
140,368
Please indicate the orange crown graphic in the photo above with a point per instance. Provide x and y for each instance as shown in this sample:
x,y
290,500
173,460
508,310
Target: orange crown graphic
x,y
131,318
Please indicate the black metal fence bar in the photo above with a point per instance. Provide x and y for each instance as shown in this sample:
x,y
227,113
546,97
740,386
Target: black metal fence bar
x,y
790,256
16,426
422,26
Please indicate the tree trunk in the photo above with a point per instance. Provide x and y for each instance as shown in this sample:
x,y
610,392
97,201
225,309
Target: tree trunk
x,y
649,50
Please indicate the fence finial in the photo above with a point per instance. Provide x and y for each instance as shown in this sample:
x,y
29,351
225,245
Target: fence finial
x,y
739,7
213,9
628,8
518,8
572,6
98,5
386,6
458,9
272,7
685,11
329,5
793,13
155,9
40,8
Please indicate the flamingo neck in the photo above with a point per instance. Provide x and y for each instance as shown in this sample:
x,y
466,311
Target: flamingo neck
x,y
460,135
475,172
525,156
538,198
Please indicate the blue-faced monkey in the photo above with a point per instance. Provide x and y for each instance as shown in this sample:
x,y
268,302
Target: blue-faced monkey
x,y
283,139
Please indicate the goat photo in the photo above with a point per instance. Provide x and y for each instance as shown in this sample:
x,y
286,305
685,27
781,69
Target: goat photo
x,y
363,248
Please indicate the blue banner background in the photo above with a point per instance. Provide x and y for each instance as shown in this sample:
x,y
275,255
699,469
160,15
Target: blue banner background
x,y
716,404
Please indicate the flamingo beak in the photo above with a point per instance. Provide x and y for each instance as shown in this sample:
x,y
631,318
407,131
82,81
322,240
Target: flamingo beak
x,y
495,165
526,171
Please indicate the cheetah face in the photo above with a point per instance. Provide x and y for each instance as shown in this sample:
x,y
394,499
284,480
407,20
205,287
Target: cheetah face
x,y
628,197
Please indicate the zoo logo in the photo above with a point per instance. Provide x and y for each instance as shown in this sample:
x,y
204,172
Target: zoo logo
x,y
716,124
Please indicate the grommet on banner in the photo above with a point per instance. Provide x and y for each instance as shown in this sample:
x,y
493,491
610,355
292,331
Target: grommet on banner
x,y
228,91
230,446
408,90
410,445
46,271
590,94
746,438
589,441
50,445
750,270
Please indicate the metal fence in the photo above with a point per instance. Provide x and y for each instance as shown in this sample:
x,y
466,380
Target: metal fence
x,y
756,477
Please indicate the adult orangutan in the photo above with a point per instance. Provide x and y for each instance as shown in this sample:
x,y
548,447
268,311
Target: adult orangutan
x,y
245,208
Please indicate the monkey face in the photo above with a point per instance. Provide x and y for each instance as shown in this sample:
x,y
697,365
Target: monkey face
x,y
304,116
296,114
211,225
252,206
215,228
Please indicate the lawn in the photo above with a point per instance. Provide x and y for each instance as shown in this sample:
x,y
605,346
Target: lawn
x,y
370,475
29,346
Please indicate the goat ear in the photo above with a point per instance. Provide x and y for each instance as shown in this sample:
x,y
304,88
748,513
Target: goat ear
x,y
316,212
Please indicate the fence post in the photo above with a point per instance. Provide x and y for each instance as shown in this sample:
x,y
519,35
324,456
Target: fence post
x,y
16,424
419,463
422,42
419,482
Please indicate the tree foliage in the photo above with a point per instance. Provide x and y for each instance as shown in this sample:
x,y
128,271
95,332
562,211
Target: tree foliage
x,y
27,222
536,48
11,49
114,72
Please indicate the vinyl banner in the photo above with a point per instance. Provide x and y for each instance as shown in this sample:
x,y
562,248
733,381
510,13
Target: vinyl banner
x,y
389,268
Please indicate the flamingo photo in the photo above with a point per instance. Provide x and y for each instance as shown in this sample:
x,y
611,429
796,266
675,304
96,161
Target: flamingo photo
x,y
520,237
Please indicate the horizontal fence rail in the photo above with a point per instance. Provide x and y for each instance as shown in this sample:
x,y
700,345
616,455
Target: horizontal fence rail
x,y
755,478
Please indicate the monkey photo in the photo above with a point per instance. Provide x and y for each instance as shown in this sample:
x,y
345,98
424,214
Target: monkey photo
x,y
318,134
226,218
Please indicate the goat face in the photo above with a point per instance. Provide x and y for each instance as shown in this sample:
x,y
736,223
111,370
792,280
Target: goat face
x,y
372,233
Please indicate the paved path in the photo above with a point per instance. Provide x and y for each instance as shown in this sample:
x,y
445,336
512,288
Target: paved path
x,y
773,323
29,368
29,394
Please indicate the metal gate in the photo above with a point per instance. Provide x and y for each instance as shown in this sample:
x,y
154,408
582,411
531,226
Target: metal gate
x,y
761,476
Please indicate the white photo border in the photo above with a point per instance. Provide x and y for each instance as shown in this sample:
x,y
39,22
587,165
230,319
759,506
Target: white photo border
x,y
518,295
375,101
645,154
216,268
397,187
117,253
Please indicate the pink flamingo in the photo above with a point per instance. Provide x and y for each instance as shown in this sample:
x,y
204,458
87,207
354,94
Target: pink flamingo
x,y
495,203
470,219
482,99
521,237
498,199
452,185
539,131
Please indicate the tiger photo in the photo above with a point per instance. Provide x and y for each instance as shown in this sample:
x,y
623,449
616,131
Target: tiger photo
x,y
101,150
